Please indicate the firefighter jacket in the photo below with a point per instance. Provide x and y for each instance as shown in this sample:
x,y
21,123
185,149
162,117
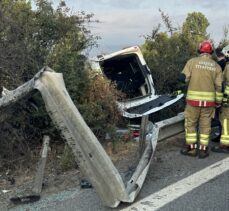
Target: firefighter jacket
x,y
226,80
204,78
224,112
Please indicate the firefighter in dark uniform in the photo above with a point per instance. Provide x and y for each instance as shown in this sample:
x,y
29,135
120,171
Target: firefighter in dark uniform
x,y
224,113
221,60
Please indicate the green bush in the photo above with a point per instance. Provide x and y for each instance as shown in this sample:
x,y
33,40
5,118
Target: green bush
x,y
99,107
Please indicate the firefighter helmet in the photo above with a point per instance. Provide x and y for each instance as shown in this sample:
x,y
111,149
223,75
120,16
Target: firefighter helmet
x,y
225,51
206,47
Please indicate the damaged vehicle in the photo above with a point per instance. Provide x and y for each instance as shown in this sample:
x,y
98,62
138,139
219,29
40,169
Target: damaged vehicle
x,y
128,69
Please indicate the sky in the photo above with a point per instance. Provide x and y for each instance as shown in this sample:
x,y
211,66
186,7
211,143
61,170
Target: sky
x,y
123,23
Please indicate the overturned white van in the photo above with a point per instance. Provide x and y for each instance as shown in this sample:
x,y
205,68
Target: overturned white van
x,y
128,69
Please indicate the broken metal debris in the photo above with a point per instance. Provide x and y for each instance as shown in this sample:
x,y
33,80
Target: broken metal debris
x,y
35,194
6,191
25,199
85,184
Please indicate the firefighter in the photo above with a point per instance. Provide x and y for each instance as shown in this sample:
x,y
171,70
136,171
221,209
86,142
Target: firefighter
x,y
224,113
204,78
221,60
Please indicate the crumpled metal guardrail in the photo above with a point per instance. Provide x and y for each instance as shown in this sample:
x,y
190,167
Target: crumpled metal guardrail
x,y
90,155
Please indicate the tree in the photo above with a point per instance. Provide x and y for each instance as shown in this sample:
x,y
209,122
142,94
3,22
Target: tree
x,y
31,39
224,41
195,26
166,54
15,37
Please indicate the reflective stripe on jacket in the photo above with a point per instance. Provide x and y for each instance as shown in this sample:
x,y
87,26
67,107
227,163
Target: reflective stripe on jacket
x,y
200,96
203,99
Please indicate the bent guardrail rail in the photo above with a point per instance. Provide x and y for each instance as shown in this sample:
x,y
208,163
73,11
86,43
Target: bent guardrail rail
x,y
89,154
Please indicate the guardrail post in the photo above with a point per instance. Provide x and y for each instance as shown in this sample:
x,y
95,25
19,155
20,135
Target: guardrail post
x,y
144,123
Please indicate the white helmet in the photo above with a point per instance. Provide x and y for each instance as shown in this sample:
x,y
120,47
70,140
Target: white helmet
x,y
225,51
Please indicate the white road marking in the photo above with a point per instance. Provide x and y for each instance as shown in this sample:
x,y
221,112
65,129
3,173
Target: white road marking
x,y
176,190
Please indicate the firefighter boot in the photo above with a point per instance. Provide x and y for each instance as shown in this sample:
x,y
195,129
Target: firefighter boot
x,y
203,151
221,148
190,150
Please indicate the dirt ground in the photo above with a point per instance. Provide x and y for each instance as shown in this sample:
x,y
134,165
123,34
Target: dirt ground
x,y
19,180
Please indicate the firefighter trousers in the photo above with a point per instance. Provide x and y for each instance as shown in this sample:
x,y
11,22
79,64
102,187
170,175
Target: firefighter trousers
x,y
198,117
224,119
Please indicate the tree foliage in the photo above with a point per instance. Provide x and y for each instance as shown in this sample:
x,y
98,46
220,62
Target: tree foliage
x,y
195,26
99,105
224,41
166,53
31,38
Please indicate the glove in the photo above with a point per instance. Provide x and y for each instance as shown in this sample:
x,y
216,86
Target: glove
x,y
177,92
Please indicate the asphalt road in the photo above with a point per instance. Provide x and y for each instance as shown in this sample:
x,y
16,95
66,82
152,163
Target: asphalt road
x,y
213,195
168,168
